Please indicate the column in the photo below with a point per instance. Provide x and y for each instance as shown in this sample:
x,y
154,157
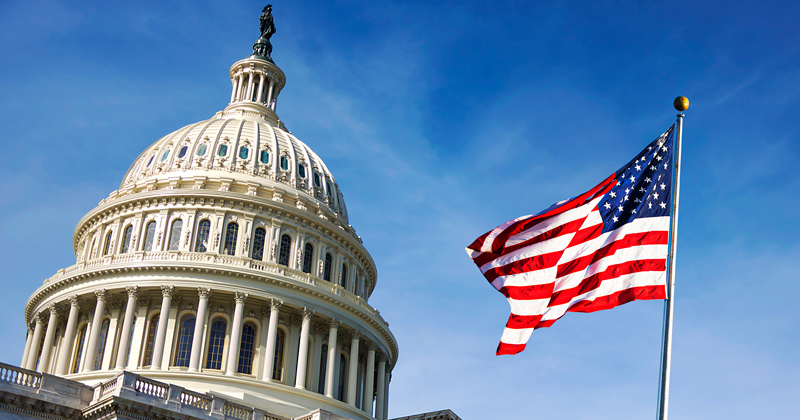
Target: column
x,y
381,392
331,371
302,353
316,357
272,334
33,352
62,365
199,327
236,329
260,87
292,345
127,325
142,305
158,346
352,376
235,89
247,92
28,339
386,397
94,334
370,378
52,323
269,92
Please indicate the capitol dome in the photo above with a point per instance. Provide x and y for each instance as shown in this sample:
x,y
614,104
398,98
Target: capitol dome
x,y
224,265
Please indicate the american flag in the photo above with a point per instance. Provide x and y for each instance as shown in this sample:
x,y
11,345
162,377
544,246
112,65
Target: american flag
x,y
601,249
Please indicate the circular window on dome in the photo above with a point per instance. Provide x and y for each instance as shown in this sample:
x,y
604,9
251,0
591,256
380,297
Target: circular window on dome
x,y
182,152
164,156
301,170
201,151
223,150
284,163
244,152
316,179
150,162
264,157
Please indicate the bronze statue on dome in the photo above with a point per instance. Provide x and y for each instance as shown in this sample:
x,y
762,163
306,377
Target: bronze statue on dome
x,y
263,47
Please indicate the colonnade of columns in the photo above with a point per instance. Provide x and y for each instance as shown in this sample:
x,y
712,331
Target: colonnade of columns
x,y
255,86
366,375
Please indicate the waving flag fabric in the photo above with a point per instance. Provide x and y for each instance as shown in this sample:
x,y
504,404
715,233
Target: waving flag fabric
x,y
601,249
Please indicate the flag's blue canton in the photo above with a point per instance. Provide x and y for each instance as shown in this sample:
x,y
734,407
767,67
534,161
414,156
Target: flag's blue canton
x,y
644,186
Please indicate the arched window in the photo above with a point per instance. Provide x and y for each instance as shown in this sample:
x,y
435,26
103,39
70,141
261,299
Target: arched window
x,y
216,343
79,339
286,246
201,242
326,269
152,327
149,235
126,239
258,243
342,377
277,359
185,336
247,349
284,163
107,245
231,233
323,367
101,344
175,235
344,275
308,257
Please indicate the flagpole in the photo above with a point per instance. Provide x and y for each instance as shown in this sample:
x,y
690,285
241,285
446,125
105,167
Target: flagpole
x,y
681,104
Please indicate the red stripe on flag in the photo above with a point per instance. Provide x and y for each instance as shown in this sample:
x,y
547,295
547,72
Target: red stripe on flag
x,y
517,322
539,291
524,265
566,228
619,298
505,348
586,234
613,271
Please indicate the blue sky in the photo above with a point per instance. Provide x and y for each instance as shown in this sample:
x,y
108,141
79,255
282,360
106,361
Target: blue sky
x,y
440,121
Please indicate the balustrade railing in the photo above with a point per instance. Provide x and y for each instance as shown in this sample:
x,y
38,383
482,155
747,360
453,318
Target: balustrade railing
x,y
152,388
20,376
237,411
195,399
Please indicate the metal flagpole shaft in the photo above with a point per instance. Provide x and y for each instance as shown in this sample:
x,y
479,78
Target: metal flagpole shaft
x,y
681,104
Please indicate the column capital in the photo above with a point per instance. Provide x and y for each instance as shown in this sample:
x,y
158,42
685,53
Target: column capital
x,y
74,300
53,308
275,304
101,294
371,346
167,291
133,291
356,334
38,318
334,323
381,357
307,312
204,292
239,297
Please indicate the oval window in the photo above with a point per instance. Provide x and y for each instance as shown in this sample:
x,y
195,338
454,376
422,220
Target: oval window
x,y
301,170
244,152
264,156
316,179
151,160
182,152
284,163
201,151
164,156
223,150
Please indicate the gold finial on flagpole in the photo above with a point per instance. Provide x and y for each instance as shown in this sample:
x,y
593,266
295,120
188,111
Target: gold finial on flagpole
x,y
681,103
